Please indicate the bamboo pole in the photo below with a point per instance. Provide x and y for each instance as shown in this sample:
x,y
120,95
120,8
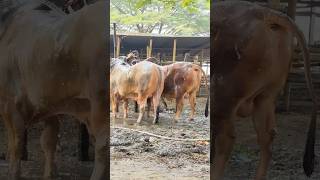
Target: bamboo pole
x,y
174,50
202,54
114,40
118,46
292,6
311,25
150,47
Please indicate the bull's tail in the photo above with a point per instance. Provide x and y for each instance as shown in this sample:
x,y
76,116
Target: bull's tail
x,y
283,20
206,111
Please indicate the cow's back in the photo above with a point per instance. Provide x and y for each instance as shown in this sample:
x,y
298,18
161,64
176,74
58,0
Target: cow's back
x,y
185,75
148,76
249,53
144,78
49,58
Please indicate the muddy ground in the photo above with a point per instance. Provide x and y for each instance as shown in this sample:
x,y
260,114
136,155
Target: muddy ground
x,y
69,168
160,159
287,150
138,156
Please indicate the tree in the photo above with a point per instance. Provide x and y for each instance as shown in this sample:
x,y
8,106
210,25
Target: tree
x,y
187,17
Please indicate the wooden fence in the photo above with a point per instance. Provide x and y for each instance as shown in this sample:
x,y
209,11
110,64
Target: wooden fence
x,y
296,91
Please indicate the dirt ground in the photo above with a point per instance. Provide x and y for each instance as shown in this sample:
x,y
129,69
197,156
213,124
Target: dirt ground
x,y
139,156
161,159
287,150
69,168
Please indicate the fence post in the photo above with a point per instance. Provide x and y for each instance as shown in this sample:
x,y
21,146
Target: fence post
x,y
174,50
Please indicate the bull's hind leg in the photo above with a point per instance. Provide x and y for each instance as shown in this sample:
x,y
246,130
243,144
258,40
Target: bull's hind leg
x,y
142,105
164,103
114,105
192,101
136,107
15,128
84,143
48,140
125,108
224,137
179,106
264,123
25,145
155,101
98,126
149,107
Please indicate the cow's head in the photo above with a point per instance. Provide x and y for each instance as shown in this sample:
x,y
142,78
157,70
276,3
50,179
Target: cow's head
x,y
118,62
133,57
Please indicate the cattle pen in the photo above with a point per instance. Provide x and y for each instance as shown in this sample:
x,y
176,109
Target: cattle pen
x,y
166,150
166,49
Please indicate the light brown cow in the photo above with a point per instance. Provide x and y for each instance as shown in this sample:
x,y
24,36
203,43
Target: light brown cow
x,y
138,82
54,64
252,51
183,80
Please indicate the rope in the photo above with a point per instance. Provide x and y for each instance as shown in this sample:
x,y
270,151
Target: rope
x,y
160,136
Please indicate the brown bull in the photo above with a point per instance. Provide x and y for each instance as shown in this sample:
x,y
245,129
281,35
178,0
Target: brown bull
x,y
138,82
52,64
252,51
184,79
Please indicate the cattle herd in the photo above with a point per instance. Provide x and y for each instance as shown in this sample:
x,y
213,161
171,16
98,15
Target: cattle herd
x,y
146,79
54,64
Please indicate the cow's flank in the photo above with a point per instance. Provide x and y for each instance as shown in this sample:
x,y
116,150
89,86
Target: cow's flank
x,y
53,64
184,79
252,53
138,82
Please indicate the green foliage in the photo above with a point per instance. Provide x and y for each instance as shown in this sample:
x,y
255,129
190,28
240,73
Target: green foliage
x,y
184,17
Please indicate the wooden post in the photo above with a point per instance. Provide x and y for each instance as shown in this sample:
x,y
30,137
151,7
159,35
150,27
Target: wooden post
x,y
292,5
311,25
150,47
287,88
202,54
114,40
274,4
174,50
185,57
147,52
196,59
118,46
158,57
